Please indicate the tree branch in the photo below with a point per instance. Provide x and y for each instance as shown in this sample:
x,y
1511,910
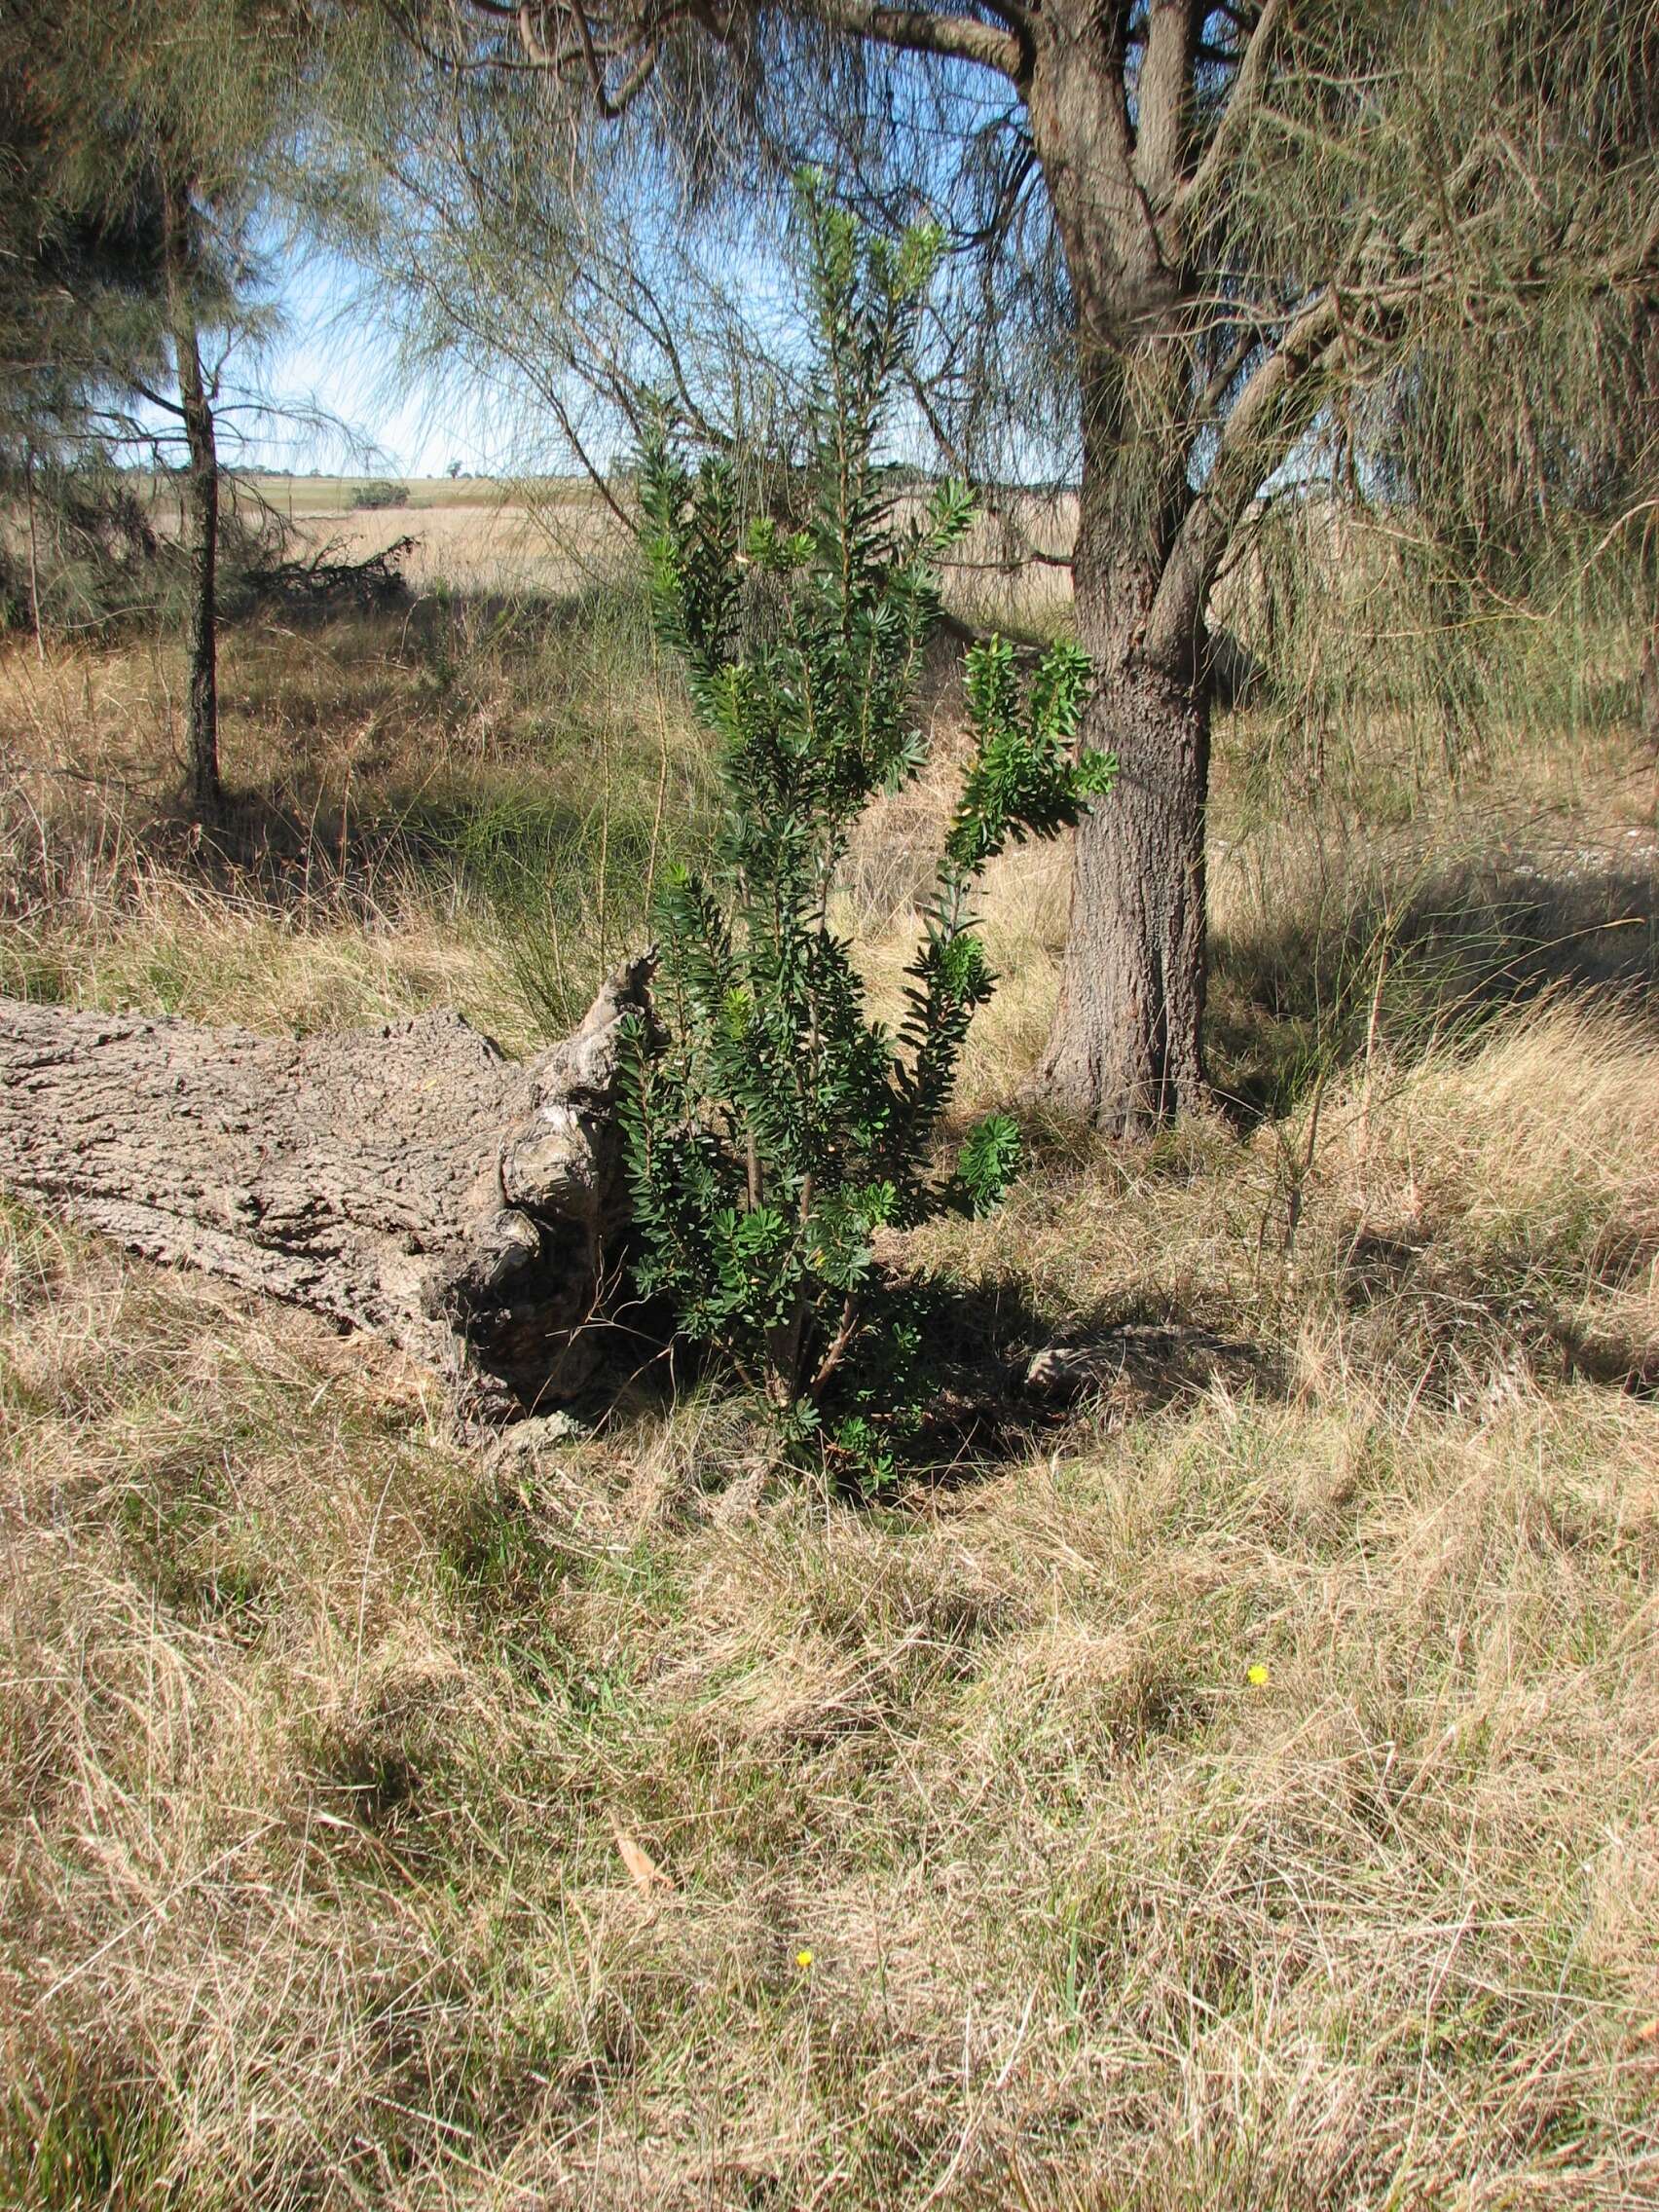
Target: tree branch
x,y
1382,281
1164,96
916,30
1259,432
167,406
1245,97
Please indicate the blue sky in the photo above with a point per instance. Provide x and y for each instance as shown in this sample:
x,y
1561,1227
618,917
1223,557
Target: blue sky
x,y
335,355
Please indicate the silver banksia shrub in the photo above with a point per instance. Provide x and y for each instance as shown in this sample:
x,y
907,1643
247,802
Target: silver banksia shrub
x,y
771,1126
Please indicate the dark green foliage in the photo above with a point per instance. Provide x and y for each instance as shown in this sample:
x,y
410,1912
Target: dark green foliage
x,y
773,1129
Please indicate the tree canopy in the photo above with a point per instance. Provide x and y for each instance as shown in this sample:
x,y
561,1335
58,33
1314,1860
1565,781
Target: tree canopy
x,y
1185,245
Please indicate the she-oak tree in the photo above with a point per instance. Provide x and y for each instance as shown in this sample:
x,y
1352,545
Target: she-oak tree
x,y
1260,210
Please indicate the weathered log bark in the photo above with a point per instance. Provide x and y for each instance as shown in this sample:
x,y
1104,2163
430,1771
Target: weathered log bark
x,y
409,1180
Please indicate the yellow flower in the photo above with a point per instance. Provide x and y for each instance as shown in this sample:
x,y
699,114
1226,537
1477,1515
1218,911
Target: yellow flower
x,y
1257,1677
803,1959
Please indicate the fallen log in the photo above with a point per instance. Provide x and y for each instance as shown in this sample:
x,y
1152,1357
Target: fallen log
x,y
410,1180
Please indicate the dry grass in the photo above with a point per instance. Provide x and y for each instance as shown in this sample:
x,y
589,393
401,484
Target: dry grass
x,y
319,1736
415,801
1237,1795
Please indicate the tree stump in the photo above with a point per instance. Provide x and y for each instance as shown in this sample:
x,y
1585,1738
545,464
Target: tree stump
x,y
410,1180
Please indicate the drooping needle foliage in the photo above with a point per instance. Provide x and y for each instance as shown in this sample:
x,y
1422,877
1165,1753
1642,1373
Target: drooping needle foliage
x,y
773,1127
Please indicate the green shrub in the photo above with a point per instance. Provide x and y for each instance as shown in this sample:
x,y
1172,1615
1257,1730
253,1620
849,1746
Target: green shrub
x,y
379,495
773,1129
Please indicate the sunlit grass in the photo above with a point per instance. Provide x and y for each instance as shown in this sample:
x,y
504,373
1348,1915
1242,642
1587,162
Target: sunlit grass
x,y
1234,1791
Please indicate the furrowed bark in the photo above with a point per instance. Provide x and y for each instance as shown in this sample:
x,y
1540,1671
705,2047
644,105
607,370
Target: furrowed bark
x,y
1124,1049
409,1180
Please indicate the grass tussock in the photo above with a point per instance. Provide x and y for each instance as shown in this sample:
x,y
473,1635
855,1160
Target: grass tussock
x,y
1234,1791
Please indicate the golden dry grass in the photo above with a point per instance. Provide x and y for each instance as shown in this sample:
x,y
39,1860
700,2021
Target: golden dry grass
x,y
414,799
319,1736
1235,1793
556,536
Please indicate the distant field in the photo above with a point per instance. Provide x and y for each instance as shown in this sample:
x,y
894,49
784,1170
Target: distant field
x,y
332,495
558,534
477,533
558,543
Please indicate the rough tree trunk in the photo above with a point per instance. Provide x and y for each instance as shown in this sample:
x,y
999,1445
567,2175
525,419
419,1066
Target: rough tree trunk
x,y
1126,1048
409,1180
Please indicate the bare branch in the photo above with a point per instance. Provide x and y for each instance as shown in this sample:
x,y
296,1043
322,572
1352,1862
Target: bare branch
x,y
912,30
1245,97
916,30
1163,93
1260,431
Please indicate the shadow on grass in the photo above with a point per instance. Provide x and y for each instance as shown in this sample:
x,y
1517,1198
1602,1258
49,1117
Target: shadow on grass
x,y
505,762
1005,1383
1009,1382
1293,1001
1449,1324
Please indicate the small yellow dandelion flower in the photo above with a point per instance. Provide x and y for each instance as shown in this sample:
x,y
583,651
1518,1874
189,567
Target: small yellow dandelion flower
x,y
803,1959
1257,1677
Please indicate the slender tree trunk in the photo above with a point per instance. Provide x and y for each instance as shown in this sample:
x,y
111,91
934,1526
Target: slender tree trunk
x,y
34,557
201,528
202,510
